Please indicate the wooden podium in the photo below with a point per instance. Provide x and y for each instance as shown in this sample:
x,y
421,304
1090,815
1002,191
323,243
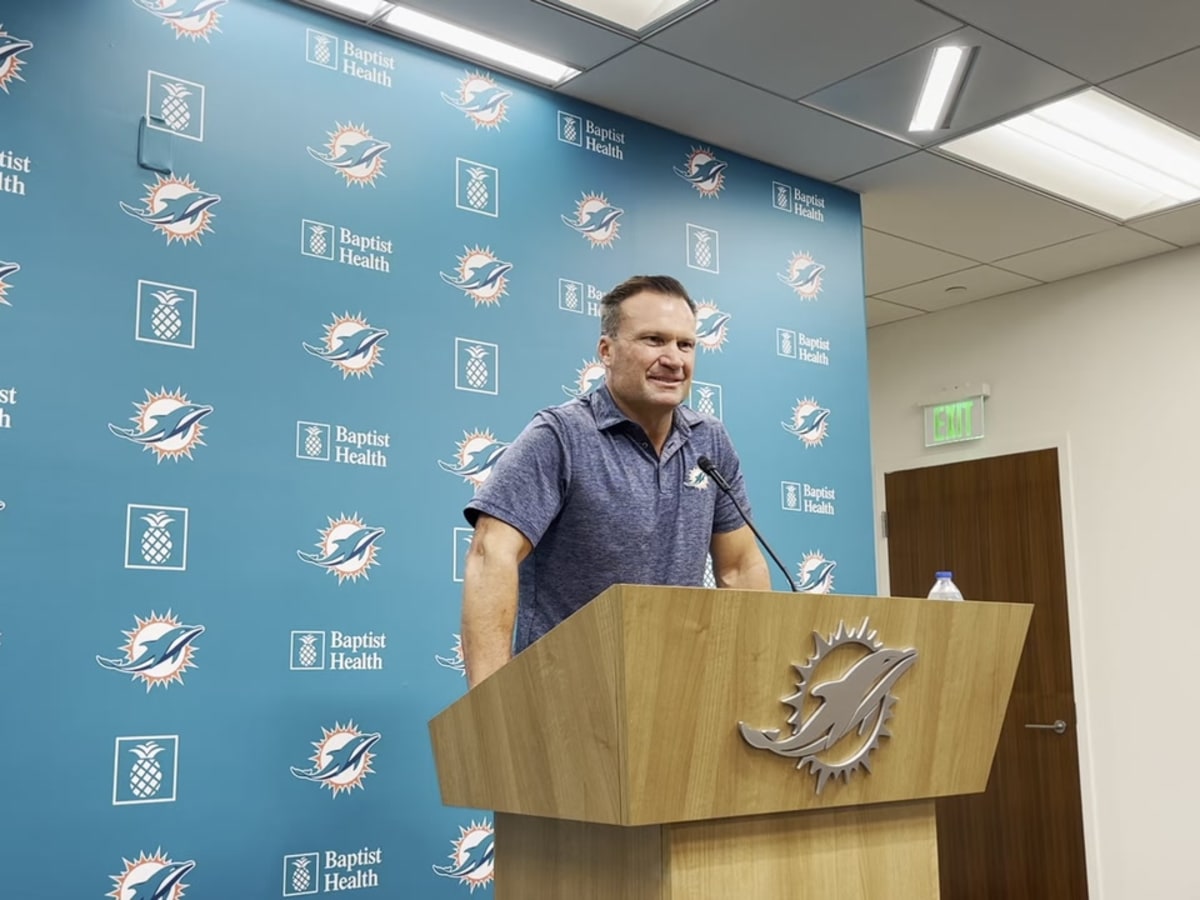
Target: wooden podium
x,y
612,754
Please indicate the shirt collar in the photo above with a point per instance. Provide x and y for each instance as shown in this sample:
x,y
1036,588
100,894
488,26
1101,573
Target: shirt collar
x,y
607,414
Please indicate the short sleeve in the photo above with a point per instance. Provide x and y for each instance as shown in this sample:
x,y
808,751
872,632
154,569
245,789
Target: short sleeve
x,y
528,482
725,514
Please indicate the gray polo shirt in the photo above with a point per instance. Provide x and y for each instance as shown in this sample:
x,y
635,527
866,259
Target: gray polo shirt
x,y
583,484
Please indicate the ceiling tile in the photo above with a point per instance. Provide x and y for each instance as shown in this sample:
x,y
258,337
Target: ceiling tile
x,y
1180,226
893,262
1085,254
939,203
795,48
1094,39
880,312
977,283
1002,81
673,93
531,26
1166,89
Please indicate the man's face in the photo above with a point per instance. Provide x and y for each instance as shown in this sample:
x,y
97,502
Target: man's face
x,y
649,362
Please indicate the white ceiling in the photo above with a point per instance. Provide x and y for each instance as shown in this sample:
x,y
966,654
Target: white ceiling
x,y
814,87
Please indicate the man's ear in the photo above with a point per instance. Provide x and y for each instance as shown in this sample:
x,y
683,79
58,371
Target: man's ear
x,y
604,349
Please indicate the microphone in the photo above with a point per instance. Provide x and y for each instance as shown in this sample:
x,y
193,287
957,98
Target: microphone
x,y
707,467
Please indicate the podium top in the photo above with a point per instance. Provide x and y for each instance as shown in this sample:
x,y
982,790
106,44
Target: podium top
x,y
664,704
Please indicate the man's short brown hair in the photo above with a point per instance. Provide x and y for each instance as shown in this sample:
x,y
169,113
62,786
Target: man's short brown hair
x,y
610,305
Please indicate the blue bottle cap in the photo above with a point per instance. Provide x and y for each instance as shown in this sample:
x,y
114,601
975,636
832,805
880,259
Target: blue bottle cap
x,y
943,574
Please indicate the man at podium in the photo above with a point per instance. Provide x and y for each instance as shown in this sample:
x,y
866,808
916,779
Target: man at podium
x,y
607,488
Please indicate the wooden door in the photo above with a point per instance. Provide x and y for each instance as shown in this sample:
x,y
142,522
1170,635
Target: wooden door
x,y
997,524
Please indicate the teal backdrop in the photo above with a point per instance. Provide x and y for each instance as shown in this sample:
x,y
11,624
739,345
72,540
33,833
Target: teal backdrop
x,y
243,399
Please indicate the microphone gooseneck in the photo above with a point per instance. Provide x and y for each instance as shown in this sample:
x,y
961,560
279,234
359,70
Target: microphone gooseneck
x,y
707,467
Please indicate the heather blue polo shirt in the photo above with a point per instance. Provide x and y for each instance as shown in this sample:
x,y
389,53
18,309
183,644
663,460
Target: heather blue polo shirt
x,y
583,484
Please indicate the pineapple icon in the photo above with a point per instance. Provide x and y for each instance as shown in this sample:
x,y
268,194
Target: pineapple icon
x,y
786,346
782,195
312,440
174,108
571,295
704,401
146,775
478,194
702,250
301,878
477,368
318,242
308,650
790,498
166,322
570,129
156,539
321,51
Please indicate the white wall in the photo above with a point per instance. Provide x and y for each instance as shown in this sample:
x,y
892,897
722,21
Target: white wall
x,y
1106,367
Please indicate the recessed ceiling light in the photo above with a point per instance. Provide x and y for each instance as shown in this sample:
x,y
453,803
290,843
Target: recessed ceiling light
x,y
475,45
635,16
943,84
1092,150
358,9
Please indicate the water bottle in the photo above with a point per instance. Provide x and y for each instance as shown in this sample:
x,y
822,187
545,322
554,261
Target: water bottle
x,y
944,588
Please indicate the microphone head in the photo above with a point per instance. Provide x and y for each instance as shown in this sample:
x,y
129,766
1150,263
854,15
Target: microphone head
x,y
706,465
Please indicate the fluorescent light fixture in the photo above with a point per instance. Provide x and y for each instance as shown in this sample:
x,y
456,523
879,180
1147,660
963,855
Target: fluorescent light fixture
x,y
359,9
630,15
476,46
943,82
1093,150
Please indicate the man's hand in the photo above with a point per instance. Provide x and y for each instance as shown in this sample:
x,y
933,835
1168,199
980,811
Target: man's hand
x,y
490,596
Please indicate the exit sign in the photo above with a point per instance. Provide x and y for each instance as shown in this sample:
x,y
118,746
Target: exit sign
x,y
957,420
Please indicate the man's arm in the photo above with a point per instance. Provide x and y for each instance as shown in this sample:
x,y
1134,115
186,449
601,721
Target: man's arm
x,y
489,608
737,561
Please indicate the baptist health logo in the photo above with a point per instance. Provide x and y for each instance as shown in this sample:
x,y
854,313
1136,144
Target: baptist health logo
x,y
353,153
703,171
350,344
347,548
476,187
481,100
157,650
815,499
323,240
330,871
703,249
330,52
319,650
167,423
804,347
156,537
175,105
322,442
187,18
815,574
579,297
481,275
797,201
166,314
595,219
7,269
151,877
8,398
587,379
11,63
476,366
342,759
803,276
712,326
176,208
472,857
706,399
145,769
12,167
586,134
476,456
809,422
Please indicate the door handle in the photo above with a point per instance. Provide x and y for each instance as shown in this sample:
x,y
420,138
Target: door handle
x,y
1059,726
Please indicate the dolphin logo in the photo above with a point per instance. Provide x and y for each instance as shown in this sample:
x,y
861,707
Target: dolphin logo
x,y
160,884
10,46
177,11
473,859
347,347
184,208
476,462
352,154
804,276
710,324
7,268
352,547
816,580
590,378
346,758
166,648
479,102
849,703
479,278
809,423
163,427
595,220
705,173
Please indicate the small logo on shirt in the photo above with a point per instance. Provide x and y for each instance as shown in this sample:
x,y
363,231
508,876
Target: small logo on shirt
x,y
697,479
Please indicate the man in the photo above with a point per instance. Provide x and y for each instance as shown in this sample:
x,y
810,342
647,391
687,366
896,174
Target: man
x,y
606,489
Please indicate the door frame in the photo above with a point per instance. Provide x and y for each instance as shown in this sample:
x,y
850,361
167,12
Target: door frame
x,y
985,449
